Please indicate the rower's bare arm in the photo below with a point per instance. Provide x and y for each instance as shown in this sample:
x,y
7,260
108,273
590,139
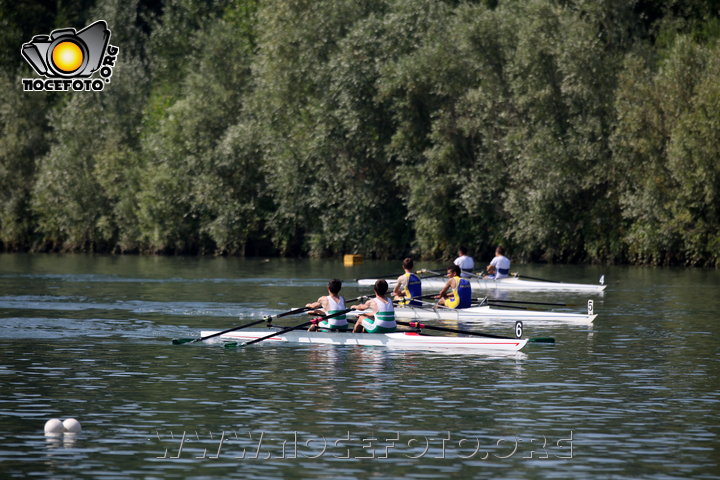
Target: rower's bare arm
x,y
399,284
320,303
447,287
360,306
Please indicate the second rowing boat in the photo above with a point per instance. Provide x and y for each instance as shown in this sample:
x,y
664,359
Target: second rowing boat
x,y
486,312
510,283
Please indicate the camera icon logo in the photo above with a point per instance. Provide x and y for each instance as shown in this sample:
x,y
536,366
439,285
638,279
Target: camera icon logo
x,y
67,53
68,58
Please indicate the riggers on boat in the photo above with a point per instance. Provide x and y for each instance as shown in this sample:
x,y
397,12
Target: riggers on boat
x,y
399,340
486,312
509,283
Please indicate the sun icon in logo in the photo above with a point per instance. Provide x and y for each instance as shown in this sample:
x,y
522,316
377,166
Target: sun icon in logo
x,y
67,56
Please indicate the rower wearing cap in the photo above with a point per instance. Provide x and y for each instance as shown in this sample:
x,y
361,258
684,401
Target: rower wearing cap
x,y
461,294
408,286
330,304
382,318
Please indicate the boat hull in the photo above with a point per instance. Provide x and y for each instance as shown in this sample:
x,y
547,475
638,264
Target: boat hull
x,y
510,283
397,340
488,313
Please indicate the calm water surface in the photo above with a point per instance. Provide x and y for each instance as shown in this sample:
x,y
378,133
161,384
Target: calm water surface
x,y
637,395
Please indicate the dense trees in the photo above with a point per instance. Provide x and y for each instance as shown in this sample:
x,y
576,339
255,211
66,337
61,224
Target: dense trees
x,y
566,130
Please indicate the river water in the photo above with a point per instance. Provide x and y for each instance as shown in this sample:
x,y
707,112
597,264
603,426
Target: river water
x,y
636,395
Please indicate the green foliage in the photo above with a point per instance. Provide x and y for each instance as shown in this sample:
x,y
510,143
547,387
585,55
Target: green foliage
x,y
322,160
666,141
23,138
84,192
196,194
561,91
576,130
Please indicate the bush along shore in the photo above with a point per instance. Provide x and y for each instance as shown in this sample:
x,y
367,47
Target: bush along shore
x,y
568,131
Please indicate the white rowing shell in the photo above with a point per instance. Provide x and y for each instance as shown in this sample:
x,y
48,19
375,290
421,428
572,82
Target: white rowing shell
x,y
510,283
488,313
399,340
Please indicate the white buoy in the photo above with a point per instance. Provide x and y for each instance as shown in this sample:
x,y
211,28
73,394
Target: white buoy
x,y
71,425
54,427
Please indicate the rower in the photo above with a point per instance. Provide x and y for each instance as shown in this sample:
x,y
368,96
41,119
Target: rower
x,y
499,266
457,292
465,263
330,304
382,318
408,286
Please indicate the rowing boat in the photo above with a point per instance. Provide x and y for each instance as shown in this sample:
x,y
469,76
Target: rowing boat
x,y
486,312
509,283
397,340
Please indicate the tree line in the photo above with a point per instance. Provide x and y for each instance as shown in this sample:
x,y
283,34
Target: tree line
x,y
565,130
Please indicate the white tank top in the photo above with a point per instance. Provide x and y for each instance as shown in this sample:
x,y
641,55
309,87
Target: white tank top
x,y
385,315
333,306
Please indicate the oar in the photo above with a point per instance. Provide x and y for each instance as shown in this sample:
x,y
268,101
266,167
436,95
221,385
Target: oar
x,y
419,297
427,305
513,307
462,272
517,275
291,312
451,330
289,329
391,275
305,309
474,304
433,272
468,332
495,300
472,274
180,341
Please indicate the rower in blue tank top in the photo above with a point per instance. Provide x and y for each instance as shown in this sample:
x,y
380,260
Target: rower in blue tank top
x,y
382,318
331,303
408,286
457,292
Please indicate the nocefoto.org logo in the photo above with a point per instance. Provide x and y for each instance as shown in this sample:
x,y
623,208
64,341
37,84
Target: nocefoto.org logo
x,y
67,59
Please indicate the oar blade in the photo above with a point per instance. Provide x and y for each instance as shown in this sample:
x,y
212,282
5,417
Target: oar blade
x,y
180,341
